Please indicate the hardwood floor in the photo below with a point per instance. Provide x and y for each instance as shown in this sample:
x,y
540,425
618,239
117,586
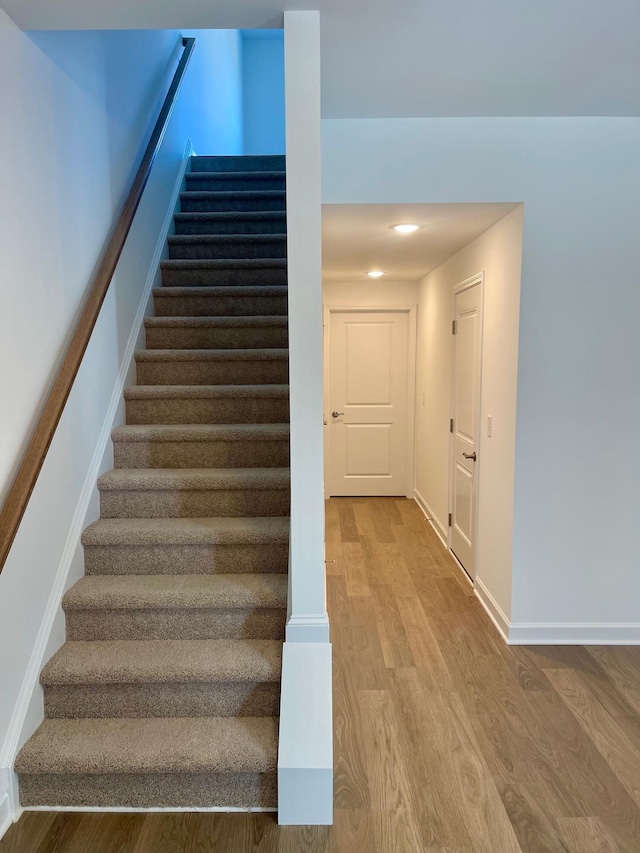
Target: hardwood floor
x,y
445,739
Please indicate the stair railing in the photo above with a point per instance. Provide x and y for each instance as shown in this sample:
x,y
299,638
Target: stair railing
x,y
35,453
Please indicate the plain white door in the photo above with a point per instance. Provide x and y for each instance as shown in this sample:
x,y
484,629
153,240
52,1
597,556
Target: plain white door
x,y
466,424
367,404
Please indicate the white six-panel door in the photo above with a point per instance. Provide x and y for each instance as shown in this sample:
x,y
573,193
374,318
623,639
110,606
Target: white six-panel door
x,y
368,403
467,356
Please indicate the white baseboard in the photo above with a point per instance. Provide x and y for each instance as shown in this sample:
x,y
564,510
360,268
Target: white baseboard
x,y
574,634
305,748
429,514
494,611
308,629
15,735
6,811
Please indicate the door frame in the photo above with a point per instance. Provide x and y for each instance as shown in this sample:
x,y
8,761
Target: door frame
x,y
473,281
412,313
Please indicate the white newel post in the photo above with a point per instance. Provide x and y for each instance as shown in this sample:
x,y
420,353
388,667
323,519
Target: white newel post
x,y
305,752
307,608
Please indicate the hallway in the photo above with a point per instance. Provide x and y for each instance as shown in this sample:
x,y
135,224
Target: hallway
x,y
445,739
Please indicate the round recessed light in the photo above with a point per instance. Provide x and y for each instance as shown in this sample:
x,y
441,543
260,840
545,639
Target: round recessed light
x,y
375,273
406,228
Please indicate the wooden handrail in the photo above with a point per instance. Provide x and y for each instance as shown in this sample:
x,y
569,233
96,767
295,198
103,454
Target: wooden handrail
x,y
44,430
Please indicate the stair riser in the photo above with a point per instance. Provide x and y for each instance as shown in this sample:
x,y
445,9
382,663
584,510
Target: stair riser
x,y
263,623
153,790
267,558
201,503
245,249
217,337
213,372
224,276
221,306
241,163
224,184
196,699
239,410
190,202
201,454
231,226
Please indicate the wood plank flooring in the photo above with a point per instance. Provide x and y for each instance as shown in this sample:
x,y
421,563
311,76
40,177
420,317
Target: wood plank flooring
x,y
446,740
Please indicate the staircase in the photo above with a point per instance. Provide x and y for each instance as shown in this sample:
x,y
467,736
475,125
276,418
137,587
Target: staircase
x,y
167,691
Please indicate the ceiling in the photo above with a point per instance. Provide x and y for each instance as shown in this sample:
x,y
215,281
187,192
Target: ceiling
x,y
384,59
357,237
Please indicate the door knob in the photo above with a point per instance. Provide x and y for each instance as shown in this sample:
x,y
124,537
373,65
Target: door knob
x,y
470,455
336,414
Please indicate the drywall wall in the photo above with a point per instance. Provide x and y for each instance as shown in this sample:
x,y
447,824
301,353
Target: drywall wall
x,y
576,537
80,106
498,253
369,294
263,91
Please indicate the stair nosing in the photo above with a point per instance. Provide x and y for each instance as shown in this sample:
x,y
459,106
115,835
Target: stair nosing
x,y
193,479
263,591
221,531
188,239
182,392
213,354
259,174
77,662
251,321
188,745
223,263
131,433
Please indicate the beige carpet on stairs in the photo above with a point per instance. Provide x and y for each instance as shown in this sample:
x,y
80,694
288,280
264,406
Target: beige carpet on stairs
x,y
167,690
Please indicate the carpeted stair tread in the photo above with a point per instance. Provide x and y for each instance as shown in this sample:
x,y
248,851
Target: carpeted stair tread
x,y
216,239
238,162
268,175
224,263
193,592
164,661
201,432
227,247
251,322
163,479
239,291
152,745
272,354
190,392
233,200
240,195
186,531
246,222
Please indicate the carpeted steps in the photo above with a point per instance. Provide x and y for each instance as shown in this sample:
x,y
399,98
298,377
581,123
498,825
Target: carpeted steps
x,y
166,693
227,272
201,446
213,366
235,301
125,546
212,332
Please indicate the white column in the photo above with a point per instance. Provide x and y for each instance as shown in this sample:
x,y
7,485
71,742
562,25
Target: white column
x,y
305,752
307,601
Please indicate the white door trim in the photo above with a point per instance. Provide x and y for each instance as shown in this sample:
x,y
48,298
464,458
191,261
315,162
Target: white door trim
x,y
412,312
472,281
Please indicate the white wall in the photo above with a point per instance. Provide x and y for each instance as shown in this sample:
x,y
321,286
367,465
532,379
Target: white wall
x,y
369,294
79,104
263,91
576,538
498,253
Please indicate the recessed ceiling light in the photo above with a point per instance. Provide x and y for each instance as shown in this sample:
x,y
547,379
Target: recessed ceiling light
x,y
375,273
406,228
